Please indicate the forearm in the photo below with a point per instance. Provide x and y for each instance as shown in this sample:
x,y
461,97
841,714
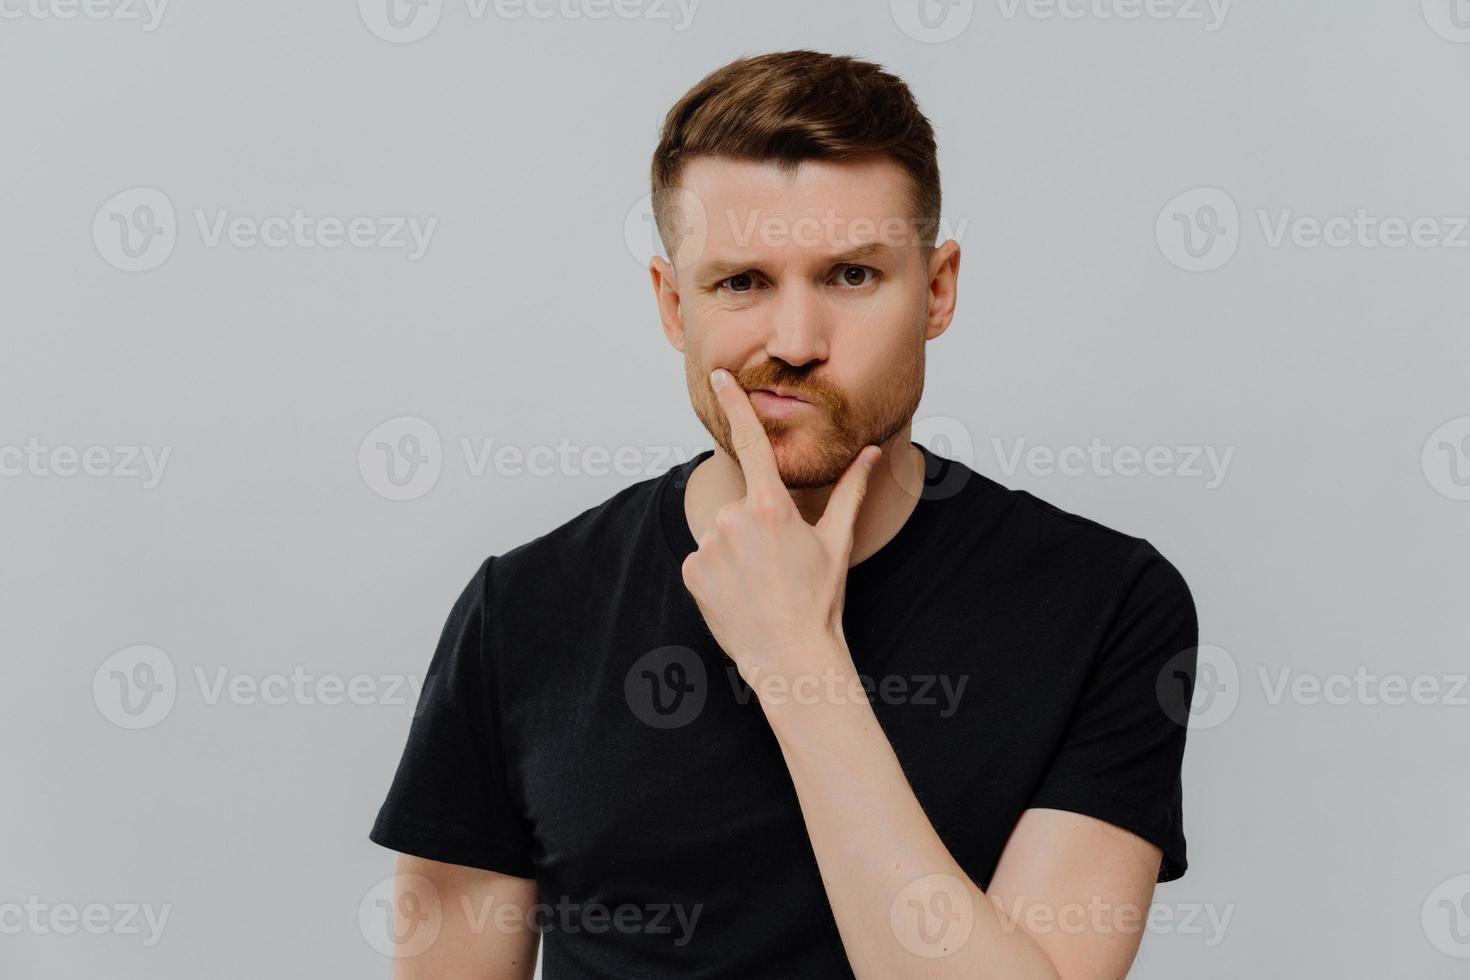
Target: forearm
x,y
903,905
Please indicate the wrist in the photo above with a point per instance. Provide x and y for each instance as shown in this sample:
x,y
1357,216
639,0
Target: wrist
x,y
812,685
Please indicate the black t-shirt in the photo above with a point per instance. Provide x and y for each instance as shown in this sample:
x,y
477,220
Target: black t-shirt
x,y
580,726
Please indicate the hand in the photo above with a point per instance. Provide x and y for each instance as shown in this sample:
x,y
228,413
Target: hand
x,y
770,585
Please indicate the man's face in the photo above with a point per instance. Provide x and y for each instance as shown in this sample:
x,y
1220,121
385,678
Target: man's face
x,y
812,284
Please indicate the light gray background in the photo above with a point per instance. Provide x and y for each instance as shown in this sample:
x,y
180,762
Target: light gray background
x,y
1336,541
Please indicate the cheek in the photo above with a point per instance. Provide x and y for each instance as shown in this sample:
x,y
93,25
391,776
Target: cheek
x,y
885,314
879,337
723,339
701,354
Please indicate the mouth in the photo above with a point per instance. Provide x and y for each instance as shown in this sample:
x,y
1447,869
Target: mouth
x,y
777,402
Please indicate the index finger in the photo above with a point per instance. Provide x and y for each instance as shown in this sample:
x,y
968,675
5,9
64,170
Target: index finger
x,y
757,458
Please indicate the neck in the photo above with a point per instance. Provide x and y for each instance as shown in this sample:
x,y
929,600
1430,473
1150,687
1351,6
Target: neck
x,y
894,487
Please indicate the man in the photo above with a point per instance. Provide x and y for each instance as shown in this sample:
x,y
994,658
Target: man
x,y
819,702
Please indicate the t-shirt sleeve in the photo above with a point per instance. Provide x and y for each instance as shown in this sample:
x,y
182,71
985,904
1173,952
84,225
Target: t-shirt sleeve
x,y
449,800
1121,757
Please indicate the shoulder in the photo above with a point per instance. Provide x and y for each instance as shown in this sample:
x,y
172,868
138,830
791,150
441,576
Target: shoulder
x,y
1148,595
1081,554
1080,539
585,543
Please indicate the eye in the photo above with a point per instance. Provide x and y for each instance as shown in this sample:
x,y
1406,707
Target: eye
x,y
848,273
741,282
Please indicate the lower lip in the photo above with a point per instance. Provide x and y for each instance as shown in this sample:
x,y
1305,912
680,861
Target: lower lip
x,y
776,406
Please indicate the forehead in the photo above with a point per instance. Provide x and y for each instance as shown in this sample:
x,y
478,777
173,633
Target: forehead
x,y
735,208
874,186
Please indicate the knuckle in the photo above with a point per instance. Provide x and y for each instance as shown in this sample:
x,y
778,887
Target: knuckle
x,y
766,503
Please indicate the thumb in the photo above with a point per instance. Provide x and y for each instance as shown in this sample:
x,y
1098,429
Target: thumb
x,y
841,514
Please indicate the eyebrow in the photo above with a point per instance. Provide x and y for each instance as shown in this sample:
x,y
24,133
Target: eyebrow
x,y
720,269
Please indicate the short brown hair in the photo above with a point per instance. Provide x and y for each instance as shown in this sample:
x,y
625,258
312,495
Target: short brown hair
x,y
790,106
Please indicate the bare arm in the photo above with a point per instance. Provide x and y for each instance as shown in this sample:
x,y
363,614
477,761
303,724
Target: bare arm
x,y
1080,887
458,923
1067,901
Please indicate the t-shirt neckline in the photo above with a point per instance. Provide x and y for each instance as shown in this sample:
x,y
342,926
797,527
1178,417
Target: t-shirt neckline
x,y
880,566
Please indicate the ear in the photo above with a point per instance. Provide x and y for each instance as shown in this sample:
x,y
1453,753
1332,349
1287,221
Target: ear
x,y
666,294
944,275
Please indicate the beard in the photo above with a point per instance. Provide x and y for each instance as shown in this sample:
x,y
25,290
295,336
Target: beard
x,y
817,445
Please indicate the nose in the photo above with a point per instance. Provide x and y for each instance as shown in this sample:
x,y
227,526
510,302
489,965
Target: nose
x,y
798,333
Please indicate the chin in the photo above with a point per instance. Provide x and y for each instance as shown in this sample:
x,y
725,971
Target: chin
x,y
806,461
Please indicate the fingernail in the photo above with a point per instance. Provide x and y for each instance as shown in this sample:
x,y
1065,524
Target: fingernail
x,y
719,377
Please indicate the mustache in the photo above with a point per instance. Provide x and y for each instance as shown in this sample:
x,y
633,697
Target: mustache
x,y
772,375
